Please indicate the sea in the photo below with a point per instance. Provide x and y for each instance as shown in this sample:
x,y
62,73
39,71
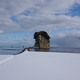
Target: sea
x,y
13,50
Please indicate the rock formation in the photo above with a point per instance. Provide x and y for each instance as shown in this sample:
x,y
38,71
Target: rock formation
x,y
41,40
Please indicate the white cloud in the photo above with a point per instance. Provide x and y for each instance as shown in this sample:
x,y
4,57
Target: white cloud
x,y
1,31
43,10
49,22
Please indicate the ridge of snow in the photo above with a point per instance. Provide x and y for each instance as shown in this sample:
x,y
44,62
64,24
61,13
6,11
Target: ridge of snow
x,y
41,66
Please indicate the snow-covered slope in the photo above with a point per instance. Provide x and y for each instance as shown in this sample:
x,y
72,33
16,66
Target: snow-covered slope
x,y
41,66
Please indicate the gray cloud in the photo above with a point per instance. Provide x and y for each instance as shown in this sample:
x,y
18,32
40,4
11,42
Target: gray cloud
x,y
66,39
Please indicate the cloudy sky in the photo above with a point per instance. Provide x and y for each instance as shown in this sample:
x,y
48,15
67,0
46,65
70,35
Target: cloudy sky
x,y
19,19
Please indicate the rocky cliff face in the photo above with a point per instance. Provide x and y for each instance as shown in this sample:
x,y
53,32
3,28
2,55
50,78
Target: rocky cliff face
x,y
41,40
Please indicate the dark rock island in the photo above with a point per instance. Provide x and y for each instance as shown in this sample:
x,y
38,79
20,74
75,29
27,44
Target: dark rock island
x,y
42,40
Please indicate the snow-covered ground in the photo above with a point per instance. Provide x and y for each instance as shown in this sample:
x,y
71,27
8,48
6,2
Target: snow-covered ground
x,y
40,66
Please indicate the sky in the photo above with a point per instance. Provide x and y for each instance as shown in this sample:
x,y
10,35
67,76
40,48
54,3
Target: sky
x,y
20,19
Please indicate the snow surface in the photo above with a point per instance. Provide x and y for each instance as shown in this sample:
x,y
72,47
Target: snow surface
x,y
41,66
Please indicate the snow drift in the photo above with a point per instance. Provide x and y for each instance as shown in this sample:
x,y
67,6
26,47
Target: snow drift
x,y
41,66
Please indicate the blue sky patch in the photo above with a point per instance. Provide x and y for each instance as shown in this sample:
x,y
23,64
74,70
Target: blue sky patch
x,y
75,10
14,19
26,13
